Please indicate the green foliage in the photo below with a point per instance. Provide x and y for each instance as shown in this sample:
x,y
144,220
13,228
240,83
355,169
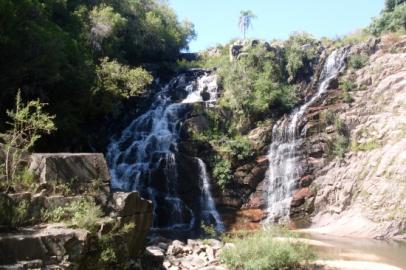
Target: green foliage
x,y
221,171
239,147
208,230
358,61
340,145
261,251
68,42
301,53
20,214
116,82
365,146
346,96
108,256
347,85
112,246
255,86
82,213
393,19
28,123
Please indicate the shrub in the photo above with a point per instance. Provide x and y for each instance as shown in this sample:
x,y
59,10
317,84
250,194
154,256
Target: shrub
x,y
221,171
238,147
347,85
81,213
358,61
261,251
346,96
28,123
300,54
340,146
391,20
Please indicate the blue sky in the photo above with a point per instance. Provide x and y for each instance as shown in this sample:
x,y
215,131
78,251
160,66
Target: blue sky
x,y
216,21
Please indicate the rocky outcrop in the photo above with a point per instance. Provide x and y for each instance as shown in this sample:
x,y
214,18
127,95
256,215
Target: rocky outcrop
x,y
190,255
362,194
43,246
113,239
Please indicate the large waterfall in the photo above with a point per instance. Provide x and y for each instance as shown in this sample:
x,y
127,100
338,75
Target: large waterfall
x,y
287,148
144,157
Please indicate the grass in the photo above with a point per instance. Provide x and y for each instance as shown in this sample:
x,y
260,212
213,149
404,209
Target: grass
x,y
261,251
82,213
358,61
365,146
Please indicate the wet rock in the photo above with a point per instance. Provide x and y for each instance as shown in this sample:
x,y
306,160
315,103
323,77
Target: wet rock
x,y
130,204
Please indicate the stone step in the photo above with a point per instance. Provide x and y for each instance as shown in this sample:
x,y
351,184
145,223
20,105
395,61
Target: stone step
x,y
48,244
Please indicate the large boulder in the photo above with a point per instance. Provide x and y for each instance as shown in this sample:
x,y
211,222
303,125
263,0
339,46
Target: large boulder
x,y
66,167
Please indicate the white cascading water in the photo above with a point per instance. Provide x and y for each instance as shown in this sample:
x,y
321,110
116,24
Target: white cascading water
x,y
209,211
286,148
145,152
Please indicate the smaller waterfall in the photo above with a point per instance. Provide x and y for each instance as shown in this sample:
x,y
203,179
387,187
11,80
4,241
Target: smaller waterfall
x,y
206,90
209,211
286,148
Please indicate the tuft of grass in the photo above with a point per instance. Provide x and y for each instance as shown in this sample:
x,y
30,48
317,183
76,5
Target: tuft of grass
x,y
358,61
365,146
263,251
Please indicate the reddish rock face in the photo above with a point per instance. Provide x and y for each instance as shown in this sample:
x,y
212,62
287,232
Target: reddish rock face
x,y
244,220
300,196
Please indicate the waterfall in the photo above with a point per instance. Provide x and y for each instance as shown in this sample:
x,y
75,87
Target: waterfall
x,y
143,157
209,211
286,148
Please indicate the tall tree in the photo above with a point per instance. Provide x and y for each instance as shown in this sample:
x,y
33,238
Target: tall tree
x,y
245,20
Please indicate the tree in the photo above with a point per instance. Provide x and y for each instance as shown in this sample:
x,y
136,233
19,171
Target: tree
x,y
28,122
391,4
245,20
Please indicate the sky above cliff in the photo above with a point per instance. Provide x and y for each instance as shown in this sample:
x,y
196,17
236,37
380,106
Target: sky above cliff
x,y
216,21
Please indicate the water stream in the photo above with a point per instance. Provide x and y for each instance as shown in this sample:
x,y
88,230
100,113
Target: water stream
x,y
286,148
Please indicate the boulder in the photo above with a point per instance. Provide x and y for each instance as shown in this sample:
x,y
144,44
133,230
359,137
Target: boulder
x,y
69,167
129,204
261,138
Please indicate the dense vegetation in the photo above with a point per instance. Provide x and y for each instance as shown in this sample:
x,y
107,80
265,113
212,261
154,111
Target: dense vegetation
x,y
262,84
83,58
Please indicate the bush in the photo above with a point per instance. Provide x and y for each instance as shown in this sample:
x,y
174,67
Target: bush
x,y
391,20
358,61
340,146
300,54
81,213
221,171
28,123
261,251
347,85
116,82
238,147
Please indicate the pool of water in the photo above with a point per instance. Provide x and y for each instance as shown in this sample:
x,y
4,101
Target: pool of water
x,y
392,253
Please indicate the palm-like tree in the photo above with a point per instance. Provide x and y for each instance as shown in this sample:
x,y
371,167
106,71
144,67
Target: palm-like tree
x,y
245,20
